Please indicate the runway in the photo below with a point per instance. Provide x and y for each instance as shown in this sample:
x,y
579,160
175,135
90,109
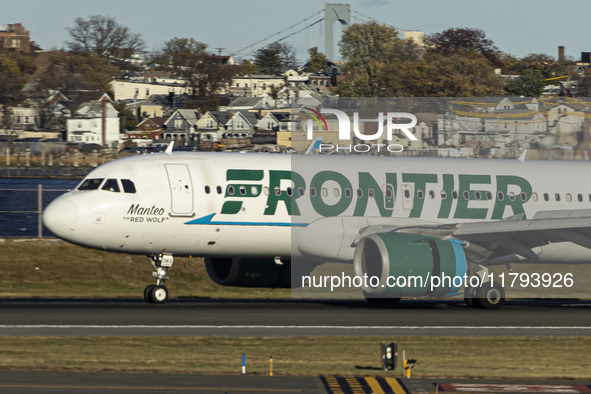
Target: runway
x,y
131,383
289,318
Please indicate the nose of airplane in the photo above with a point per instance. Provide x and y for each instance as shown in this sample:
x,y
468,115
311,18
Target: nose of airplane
x,y
61,217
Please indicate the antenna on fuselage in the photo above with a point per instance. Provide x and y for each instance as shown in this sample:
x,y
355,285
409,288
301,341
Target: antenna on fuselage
x,y
522,157
168,150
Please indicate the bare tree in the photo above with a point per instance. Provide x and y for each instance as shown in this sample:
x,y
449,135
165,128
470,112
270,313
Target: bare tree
x,y
103,35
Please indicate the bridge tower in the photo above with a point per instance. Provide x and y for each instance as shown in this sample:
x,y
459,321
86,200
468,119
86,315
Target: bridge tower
x,y
334,13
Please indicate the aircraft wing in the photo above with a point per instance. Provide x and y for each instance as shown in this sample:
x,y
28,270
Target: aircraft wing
x,y
492,242
521,236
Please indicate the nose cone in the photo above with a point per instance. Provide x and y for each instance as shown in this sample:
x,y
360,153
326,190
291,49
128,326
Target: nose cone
x,y
61,217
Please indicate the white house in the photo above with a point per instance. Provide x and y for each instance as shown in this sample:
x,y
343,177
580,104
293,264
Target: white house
x,y
271,121
87,124
130,90
240,125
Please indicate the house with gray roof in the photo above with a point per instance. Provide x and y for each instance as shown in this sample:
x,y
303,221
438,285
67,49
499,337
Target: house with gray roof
x,y
182,125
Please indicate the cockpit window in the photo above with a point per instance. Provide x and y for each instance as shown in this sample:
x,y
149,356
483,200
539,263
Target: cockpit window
x,y
91,184
128,186
111,185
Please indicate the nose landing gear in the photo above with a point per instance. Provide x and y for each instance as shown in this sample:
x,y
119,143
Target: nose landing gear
x,y
158,293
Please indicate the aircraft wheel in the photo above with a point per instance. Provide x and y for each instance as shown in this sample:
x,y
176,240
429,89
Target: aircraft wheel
x,y
490,295
147,291
469,295
157,294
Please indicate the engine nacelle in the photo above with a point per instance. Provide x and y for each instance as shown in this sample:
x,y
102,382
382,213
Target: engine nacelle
x,y
249,272
416,258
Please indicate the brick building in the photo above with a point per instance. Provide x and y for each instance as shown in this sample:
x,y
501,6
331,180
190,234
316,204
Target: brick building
x,y
16,37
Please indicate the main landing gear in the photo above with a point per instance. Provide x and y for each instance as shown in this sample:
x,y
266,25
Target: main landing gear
x,y
158,293
487,295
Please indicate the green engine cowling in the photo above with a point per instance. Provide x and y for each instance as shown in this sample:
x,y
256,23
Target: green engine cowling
x,y
249,272
406,263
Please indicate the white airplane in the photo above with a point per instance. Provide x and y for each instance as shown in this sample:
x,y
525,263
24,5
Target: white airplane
x,y
252,215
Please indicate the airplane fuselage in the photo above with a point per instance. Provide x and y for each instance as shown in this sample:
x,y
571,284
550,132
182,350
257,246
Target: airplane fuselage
x,y
219,204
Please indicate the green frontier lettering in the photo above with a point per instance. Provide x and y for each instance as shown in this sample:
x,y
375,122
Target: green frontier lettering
x,y
512,192
276,194
241,189
462,209
503,183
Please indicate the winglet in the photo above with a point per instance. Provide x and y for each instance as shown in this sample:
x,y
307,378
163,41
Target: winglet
x,y
522,157
314,146
168,150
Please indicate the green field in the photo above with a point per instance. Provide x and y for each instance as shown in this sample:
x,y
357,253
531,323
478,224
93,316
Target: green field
x,y
53,268
559,358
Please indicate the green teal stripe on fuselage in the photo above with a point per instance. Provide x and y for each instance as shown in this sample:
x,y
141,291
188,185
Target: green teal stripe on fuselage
x,y
207,220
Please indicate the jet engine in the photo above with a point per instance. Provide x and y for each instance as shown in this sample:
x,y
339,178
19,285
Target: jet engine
x,y
409,265
249,272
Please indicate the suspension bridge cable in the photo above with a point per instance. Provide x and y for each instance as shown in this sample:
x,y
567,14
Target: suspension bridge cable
x,y
370,18
280,32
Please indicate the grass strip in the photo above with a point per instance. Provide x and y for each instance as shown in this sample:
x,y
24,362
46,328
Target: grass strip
x,y
551,358
53,268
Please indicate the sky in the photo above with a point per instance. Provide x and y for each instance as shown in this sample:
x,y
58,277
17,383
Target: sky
x,y
518,27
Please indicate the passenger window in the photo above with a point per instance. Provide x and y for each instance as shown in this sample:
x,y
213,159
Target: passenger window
x,y
477,195
111,185
489,196
580,197
207,190
523,196
420,194
546,197
371,193
466,195
500,196
431,194
337,192
91,184
348,192
313,192
218,189
569,197
443,195
242,190
231,190
454,195
534,196
557,196
301,191
289,191
128,186
324,192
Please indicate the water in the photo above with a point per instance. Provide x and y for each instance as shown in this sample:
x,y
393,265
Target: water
x,y
22,196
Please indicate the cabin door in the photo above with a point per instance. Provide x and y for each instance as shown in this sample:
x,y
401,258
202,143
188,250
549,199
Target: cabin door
x,y
181,189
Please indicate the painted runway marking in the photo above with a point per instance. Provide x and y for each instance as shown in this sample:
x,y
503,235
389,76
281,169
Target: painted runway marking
x,y
205,326
514,388
362,385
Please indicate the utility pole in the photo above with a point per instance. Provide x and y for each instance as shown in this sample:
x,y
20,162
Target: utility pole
x,y
220,51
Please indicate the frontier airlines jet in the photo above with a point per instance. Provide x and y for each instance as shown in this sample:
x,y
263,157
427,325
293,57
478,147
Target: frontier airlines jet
x,y
251,216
